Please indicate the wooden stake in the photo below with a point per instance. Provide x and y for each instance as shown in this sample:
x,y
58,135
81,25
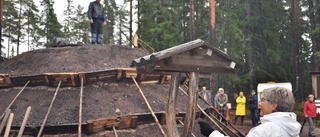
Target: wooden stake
x,y
51,104
4,120
80,109
24,122
154,116
114,131
15,98
6,133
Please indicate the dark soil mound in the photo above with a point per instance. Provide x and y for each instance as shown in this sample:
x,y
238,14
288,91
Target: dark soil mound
x,y
70,59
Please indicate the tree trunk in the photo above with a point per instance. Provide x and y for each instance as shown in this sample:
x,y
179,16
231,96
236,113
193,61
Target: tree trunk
x,y
130,31
213,78
296,23
192,27
313,41
19,28
1,14
248,43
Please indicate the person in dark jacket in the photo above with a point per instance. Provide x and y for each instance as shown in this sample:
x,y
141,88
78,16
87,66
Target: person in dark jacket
x,y
97,18
253,106
310,112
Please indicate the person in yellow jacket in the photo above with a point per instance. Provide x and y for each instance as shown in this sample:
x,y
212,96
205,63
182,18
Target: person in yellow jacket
x,y
241,108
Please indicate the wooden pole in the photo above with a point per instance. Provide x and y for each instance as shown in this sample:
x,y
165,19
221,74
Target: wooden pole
x,y
154,116
24,122
192,104
15,99
171,123
114,131
183,125
6,133
51,104
4,120
80,109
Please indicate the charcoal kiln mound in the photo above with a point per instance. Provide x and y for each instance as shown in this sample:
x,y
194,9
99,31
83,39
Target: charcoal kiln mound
x,y
85,58
100,100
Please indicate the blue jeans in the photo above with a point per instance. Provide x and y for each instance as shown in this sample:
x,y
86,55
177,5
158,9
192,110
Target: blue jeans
x,y
96,31
254,117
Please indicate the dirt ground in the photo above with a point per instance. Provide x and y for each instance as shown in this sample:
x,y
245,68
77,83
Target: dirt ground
x,y
100,100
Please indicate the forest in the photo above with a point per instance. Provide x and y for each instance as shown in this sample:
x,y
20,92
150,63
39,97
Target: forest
x,y
275,40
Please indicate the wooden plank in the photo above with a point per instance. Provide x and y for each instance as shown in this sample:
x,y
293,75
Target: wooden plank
x,y
171,123
187,68
101,76
67,79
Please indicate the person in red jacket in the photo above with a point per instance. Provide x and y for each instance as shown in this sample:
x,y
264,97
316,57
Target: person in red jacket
x,y
310,112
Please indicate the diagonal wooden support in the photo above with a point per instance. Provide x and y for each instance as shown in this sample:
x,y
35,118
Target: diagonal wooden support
x,y
154,116
51,104
14,99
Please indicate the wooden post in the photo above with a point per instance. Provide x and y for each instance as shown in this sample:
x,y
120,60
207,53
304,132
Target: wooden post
x,y
171,123
51,104
192,104
154,116
24,122
80,109
4,120
6,133
15,98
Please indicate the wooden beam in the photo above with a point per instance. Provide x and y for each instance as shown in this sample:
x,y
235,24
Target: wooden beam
x,y
188,68
191,104
171,123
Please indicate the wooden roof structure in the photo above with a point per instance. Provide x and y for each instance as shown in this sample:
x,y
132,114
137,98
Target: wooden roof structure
x,y
194,56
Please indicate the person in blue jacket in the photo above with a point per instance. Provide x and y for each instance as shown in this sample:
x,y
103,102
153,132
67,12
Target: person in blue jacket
x,y
253,106
97,18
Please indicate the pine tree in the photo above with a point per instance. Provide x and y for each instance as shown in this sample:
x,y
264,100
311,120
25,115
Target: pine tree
x,y
10,23
80,26
69,13
52,28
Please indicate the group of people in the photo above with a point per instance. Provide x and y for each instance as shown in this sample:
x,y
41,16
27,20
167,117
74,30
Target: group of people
x,y
276,112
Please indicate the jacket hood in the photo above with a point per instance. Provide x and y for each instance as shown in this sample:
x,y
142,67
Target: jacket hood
x,y
286,120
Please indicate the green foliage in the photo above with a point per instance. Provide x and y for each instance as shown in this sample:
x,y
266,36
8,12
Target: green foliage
x,y
52,28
